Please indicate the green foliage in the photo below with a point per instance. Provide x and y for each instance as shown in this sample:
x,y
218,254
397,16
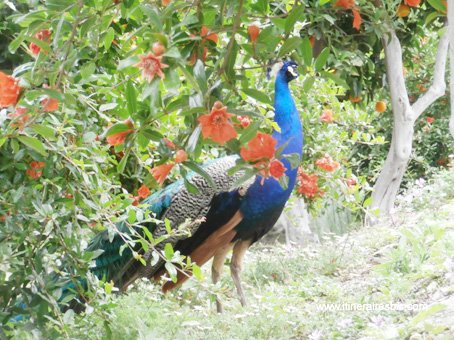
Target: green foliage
x,y
90,67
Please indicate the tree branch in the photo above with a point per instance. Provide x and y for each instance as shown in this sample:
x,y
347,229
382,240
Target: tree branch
x,y
394,71
451,61
438,87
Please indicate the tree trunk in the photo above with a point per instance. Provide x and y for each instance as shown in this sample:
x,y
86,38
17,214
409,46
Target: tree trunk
x,y
404,117
451,61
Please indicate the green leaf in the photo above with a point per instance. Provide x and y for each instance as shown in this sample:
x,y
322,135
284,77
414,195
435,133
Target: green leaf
x,y
294,159
122,164
199,74
152,134
438,5
250,132
289,45
59,5
131,216
117,128
128,62
108,38
292,18
191,187
307,51
44,131
248,174
199,170
33,143
258,95
308,83
431,17
107,107
322,59
197,272
131,98
14,45
168,251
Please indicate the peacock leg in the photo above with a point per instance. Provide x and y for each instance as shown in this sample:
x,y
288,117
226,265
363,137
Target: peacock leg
x,y
236,266
216,270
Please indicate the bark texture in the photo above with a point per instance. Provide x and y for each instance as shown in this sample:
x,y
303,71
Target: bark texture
x,y
404,117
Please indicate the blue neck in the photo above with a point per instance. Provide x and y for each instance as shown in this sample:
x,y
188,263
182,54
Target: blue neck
x,y
286,116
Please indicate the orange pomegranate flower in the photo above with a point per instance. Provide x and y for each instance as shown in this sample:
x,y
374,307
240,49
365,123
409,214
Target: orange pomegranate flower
x,y
356,19
34,170
253,31
277,168
181,156
169,143
151,66
49,104
430,120
350,4
211,36
20,116
262,146
327,116
347,4
412,3
327,163
118,138
161,172
308,184
216,124
41,35
245,121
9,90
143,191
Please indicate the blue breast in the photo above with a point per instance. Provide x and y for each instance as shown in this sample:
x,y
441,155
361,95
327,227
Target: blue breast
x,y
270,195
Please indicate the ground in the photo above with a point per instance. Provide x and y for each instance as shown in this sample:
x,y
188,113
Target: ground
x,y
409,260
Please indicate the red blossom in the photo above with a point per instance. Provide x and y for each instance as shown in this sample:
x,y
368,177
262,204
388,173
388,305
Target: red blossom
x,y
161,172
181,156
347,4
327,116
206,35
41,35
244,121
350,4
143,191
217,125
356,19
253,31
169,143
430,120
308,184
262,146
34,170
135,201
118,138
20,116
327,163
151,66
277,168
412,3
9,90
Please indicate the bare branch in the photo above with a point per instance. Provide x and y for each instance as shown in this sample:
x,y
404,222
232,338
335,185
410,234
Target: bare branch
x,y
394,72
438,87
451,61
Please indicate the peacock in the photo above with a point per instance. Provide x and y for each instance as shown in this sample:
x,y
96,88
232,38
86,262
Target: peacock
x,y
224,218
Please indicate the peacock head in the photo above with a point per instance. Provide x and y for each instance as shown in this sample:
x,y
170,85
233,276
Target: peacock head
x,y
286,70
